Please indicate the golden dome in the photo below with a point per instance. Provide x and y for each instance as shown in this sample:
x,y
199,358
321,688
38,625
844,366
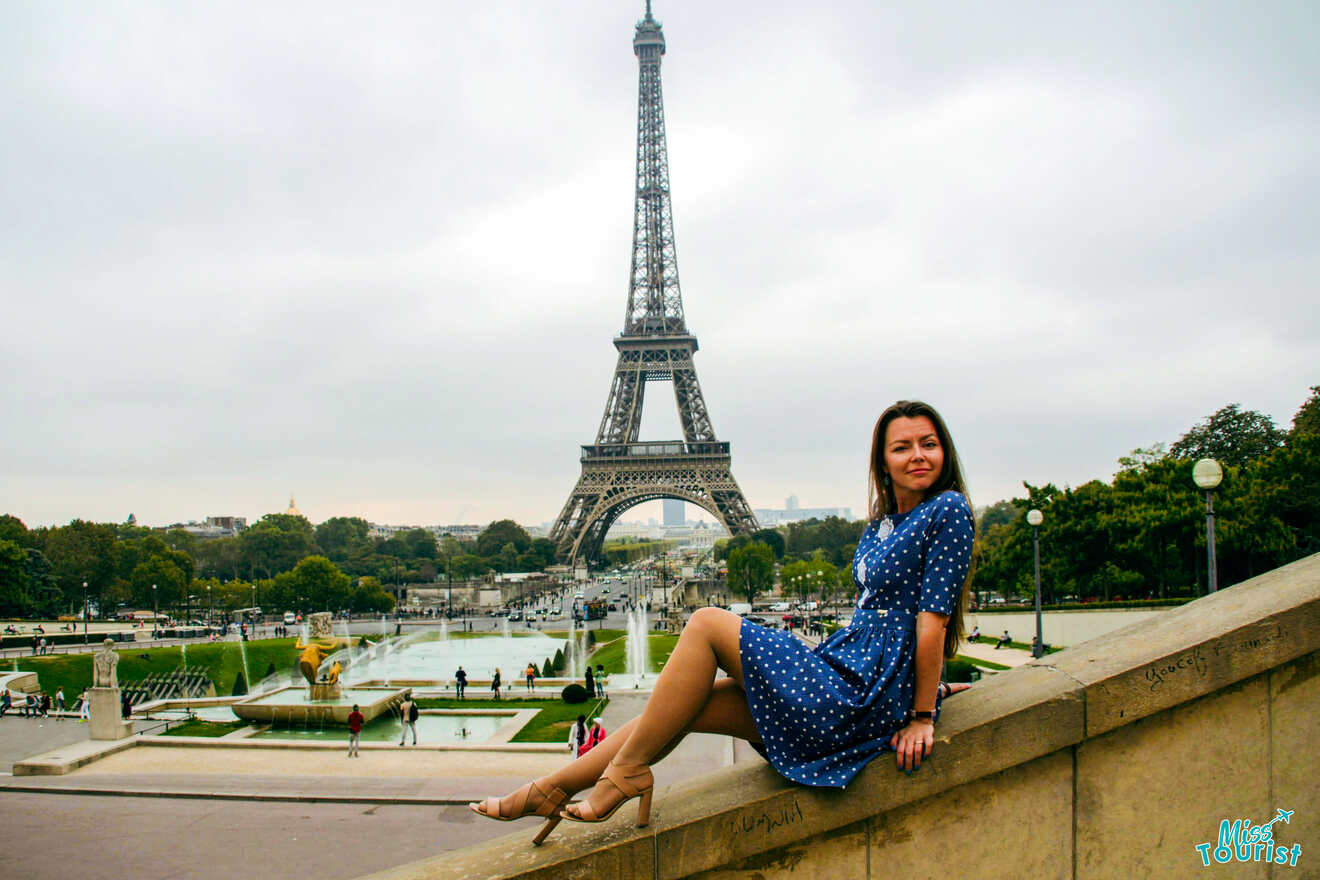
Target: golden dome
x,y
293,508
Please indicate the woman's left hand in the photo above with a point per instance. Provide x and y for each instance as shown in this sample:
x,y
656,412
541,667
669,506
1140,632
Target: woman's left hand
x,y
912,743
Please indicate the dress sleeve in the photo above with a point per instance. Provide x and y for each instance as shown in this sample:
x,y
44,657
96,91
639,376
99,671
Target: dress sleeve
x,y
948,554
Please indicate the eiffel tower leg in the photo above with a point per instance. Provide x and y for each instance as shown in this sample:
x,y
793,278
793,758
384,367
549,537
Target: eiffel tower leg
x,y
623,410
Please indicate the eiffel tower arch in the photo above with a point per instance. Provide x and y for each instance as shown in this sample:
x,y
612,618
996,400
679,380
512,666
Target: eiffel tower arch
x,y
619,471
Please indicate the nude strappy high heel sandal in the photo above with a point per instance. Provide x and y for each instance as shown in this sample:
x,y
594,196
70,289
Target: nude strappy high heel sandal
x,y
632,782
550,804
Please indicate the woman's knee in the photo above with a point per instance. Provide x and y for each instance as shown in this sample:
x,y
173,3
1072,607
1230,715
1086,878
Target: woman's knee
x,y
708,618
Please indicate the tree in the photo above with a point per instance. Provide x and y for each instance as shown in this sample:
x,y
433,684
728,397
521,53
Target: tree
x,y
14,599
12,529
1231,436
82,551
316,580
751,569
493,538
1307,420
772,539
342,537
276,542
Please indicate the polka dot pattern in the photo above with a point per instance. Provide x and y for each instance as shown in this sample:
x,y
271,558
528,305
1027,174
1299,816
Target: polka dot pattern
x,y
824,713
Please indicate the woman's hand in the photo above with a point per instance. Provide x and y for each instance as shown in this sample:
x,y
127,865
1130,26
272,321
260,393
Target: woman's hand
x,y
912,743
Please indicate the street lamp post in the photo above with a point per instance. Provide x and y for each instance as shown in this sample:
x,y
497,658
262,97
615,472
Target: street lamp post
x,y
1207,474
1034,519
210,608
84,612
155,607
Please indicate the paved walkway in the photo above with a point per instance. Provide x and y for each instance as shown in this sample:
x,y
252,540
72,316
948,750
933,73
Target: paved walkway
x,y
1004,656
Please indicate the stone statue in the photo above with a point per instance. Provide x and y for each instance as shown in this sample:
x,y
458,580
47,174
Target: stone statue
x,y
104,662
319,625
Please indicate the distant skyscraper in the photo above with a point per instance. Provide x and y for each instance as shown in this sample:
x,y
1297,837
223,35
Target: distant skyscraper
x,y
791,503
675,514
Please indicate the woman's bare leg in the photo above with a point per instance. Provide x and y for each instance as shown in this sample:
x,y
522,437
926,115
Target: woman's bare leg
x,y
725,713
708,642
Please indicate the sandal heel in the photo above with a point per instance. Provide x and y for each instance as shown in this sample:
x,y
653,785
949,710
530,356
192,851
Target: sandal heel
x,y
644,809
549,826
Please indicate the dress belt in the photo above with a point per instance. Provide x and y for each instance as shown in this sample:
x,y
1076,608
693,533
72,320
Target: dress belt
x,y
891,618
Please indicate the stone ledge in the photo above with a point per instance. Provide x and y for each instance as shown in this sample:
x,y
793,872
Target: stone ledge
x,y
1039,709
1197,648
58,762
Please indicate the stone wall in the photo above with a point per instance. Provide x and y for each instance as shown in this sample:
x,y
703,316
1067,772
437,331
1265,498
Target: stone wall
x,y
1116,758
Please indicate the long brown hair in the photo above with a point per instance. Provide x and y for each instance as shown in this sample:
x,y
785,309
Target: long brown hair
x,y
880,491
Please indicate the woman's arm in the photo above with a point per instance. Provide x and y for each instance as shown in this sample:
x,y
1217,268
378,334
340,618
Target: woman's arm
x,y
914,741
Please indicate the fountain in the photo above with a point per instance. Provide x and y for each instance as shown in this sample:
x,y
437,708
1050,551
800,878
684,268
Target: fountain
x,y
444,630
638,657
242,649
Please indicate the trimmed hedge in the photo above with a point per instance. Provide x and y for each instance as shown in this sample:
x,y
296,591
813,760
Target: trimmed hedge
x,y
1084,606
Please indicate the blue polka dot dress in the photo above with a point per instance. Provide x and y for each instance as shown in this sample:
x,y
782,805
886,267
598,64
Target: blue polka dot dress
x,y
824,713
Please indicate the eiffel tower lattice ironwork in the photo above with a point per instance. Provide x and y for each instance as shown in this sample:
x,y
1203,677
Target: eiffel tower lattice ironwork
x,y
619,471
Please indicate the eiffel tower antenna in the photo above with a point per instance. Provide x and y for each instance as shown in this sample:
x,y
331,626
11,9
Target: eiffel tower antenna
x,y
618,471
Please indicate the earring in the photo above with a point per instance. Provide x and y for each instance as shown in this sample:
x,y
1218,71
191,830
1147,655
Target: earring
x,y
886,479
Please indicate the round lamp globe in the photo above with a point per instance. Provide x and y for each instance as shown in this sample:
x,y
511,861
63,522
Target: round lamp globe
x,y
1207,473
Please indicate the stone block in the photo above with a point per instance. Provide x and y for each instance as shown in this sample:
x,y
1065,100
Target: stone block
x,y
573,852
739,812
1150,791
1198,648
1294,733
107,714
839,853
1012,824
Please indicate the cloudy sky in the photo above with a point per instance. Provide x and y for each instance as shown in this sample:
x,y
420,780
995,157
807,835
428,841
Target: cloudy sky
x,y
375,254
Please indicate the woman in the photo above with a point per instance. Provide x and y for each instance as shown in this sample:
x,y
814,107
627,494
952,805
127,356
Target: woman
x,y
495,683
591,682
596,735
578,741
819,715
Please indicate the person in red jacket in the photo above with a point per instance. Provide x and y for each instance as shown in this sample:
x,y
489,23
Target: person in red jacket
x,y
355,720
596,734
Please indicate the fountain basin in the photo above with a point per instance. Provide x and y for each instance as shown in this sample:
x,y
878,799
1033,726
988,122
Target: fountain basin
x,y
293,705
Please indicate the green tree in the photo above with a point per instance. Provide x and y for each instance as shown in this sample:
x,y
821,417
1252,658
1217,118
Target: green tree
x,y
12,529
772,539
317,581
275,543
166,576
1231,436
369,596
751,569
1307,420
493,538
82,551
343,537
14,598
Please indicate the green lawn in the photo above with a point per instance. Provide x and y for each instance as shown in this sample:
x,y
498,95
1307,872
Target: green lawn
x,y
73,672
550,724
1021,646
197,727
984,664
614,655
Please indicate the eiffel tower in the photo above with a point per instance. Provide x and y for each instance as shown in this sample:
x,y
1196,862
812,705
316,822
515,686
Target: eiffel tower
x,y
618,471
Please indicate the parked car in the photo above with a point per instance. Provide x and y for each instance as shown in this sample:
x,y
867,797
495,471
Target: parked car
x,y
290,618
781,606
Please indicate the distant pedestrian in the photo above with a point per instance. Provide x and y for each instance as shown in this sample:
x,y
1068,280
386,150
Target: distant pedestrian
x,y
59,704
591,682
43,644
84,707
577,737
495,683
6,702
530,673
1003,640
596,735
600,680
460,682
125,706
355,721
45,704
408,714
976,634
30,706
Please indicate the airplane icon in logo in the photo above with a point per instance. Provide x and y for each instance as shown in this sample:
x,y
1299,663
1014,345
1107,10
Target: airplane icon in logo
x,y
1285,815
